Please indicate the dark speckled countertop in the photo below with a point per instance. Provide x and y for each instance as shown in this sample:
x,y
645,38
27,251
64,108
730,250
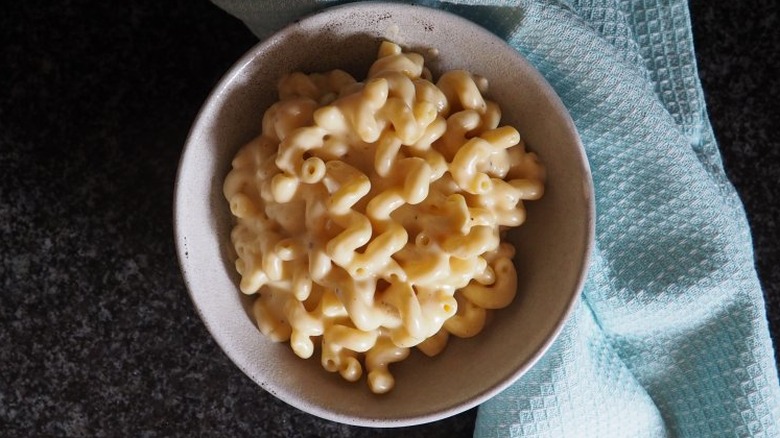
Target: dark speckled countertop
x,y
99,336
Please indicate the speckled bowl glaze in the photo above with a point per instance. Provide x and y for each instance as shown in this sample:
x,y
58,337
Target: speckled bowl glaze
x,y
553,245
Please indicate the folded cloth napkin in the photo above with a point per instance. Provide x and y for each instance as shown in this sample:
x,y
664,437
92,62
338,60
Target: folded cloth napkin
x,y
670,336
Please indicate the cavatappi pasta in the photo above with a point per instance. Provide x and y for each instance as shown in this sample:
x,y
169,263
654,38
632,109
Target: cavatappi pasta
x,y
370,214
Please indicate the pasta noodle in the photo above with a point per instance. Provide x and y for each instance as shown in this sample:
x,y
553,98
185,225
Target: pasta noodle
x,y
369,215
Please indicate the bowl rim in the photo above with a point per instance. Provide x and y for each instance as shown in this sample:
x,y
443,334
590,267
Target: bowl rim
x,y
225,82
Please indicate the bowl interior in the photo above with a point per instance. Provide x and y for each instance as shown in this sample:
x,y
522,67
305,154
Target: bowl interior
x,y
553,245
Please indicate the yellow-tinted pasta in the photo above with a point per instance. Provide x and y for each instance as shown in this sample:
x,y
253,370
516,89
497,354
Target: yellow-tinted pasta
x,y
369,215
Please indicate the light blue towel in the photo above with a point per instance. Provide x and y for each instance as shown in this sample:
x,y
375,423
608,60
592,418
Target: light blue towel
x,y
670,337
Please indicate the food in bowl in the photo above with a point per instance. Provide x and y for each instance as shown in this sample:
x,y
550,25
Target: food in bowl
x,y
369,215
552,246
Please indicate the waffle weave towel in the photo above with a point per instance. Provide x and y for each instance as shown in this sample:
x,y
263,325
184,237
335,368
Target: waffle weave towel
x,y
670,337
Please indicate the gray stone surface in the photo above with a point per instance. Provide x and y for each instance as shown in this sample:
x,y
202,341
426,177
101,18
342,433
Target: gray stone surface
x,y
98,336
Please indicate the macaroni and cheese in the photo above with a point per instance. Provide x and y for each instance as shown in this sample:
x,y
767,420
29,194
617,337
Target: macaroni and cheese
x,y
369,215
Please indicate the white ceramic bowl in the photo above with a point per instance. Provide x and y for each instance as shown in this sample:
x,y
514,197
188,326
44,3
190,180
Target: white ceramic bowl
x,y
553,245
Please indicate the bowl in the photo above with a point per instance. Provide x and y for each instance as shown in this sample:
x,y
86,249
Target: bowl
x,y
553,245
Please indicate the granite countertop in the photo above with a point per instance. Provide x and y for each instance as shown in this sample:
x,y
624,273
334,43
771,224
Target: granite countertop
x,y
99,336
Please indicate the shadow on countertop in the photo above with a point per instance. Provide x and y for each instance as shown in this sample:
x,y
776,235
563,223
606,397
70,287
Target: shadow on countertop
x,y
99,334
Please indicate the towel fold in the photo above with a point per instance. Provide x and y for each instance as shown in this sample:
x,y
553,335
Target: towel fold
x,y
670,335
